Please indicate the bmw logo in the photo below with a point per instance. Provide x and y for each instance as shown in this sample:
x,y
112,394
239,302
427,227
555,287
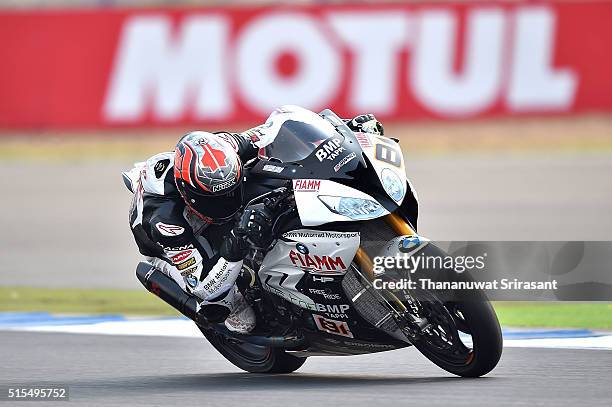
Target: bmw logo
x,y
300,247
408,243
191,281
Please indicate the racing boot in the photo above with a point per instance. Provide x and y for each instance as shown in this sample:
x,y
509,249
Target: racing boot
x,y
242,317
238,315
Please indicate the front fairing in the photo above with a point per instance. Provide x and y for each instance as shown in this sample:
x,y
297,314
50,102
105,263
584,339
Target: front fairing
x,y
346,163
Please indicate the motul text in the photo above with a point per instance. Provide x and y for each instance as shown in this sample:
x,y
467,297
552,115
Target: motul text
x,y
227,65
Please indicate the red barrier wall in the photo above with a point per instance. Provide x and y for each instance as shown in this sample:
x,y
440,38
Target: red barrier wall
x,y
152,67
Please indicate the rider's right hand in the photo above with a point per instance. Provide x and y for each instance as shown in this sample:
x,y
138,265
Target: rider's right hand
x,y
252,229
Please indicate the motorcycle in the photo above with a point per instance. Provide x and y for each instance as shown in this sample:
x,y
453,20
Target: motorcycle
x,y
343,198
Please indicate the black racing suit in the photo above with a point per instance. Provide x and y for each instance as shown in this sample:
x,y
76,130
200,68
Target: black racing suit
x,y
173,238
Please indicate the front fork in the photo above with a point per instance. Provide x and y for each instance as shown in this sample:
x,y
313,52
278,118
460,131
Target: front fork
x,y
366,266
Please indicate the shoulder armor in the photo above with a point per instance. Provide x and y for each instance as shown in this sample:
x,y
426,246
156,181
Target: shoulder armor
x,y
154,174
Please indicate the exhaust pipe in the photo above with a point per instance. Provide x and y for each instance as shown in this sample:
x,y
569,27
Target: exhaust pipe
x,y
165,288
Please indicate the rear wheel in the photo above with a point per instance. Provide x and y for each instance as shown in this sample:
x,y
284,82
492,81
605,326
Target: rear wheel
x,y
253,358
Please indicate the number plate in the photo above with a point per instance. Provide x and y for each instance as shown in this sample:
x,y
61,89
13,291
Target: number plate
x,y
332,326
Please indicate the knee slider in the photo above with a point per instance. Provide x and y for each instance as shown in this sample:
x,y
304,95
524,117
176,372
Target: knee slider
x,y
214,312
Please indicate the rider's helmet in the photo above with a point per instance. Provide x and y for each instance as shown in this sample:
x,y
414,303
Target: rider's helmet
x,y
208,175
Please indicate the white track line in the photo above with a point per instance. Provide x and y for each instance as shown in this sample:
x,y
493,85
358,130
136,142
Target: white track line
x,y
163,327
595,342
186,329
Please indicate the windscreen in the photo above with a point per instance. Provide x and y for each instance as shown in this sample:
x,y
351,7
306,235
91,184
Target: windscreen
x,y
296,140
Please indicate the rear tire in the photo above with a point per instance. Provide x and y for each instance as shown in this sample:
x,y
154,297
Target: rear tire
x,y
253,358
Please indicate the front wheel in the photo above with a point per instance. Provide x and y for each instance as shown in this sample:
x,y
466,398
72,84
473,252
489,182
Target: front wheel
x,y
458,353
253,358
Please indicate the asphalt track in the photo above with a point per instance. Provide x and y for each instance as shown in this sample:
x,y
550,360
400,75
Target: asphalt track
x,y
129,370
65,224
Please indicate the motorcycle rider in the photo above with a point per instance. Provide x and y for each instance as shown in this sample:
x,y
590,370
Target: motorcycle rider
x,y
185,216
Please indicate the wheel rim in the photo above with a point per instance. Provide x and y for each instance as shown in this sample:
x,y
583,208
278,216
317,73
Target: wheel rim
x,y
442,338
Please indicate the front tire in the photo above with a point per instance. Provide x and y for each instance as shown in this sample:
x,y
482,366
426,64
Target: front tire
x,y
478,319
253,358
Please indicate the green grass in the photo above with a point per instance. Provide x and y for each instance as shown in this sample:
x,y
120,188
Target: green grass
x,y
594,315
82,301
95,301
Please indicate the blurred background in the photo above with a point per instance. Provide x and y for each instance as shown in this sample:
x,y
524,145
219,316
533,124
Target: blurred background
x,y
503,109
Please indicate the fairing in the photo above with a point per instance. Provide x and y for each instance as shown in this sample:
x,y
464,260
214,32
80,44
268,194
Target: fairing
x,y
324,157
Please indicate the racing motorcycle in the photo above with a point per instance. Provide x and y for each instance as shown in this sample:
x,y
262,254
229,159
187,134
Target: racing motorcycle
x,y
343,198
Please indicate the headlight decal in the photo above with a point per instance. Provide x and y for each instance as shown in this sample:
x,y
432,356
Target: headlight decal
x,y
393,184
354,208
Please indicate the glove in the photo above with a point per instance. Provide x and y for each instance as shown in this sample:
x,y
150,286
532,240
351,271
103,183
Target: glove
x,y
255,226
252,229
366,123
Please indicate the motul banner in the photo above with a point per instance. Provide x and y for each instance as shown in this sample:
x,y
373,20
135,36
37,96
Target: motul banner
x,y
151,67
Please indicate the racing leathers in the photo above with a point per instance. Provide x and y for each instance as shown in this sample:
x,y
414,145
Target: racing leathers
x,y
188,247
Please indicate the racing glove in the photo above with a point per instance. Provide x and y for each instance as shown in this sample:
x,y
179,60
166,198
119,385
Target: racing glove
x,y
255,225
252,229
366,123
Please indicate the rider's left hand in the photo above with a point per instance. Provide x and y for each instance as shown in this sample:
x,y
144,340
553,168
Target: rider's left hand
x,y
366,123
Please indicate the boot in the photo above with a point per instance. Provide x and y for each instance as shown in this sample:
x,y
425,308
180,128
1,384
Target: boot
x,y
242,317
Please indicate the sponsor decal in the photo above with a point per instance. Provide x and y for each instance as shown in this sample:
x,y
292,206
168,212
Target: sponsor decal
x,y
191,281
146,74
179,257
323,279
223,185
169,230
301,247
306,185
178,248
329,149
320,234
366,345
407,244
185,264
344,161
317,263
364,140
254,135
332,326
324,293
217,280
333,310
188,271
273,168
160,167
229,139
304,234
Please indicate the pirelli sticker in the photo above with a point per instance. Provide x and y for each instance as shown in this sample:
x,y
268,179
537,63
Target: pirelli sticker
x,y
185,264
